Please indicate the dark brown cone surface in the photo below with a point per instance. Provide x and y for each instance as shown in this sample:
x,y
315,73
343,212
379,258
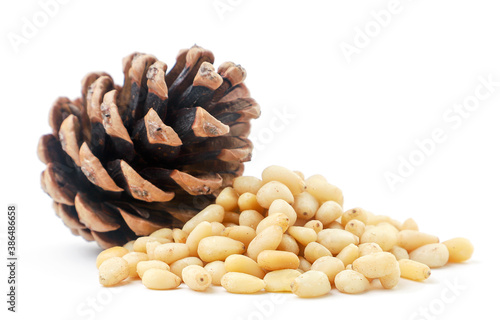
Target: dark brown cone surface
x,y
126,160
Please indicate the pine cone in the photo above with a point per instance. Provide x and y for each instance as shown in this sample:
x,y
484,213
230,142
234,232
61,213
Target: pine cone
x,y
125,161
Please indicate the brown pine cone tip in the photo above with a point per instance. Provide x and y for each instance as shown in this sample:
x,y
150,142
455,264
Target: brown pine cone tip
x,y
124,161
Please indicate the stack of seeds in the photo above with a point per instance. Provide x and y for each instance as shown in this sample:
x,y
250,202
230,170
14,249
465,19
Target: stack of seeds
x,y
282,233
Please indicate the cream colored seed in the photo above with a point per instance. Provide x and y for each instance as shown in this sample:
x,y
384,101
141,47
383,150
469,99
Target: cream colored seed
x,y
311,284
150,248
355,227
272,260
250,218
377,219
231,217
268,239
305,205
196,277
400,253
129,245
202,230
384,236
316,225
367,248
414,270
241,233
212,213
229,224
159,279
409,224
228,199
350,281
278,218
140,244
179,235
331,266
328,212
179,265
313,251
348,254
375,265
355,213
248,201
304,265
303,235
236,282
110,253
218,248
411,239
280,280
142,266
289,178
434,255
288,243
133,258
171,252
243,264
247,184
323,191
112,271
271,191
392,279
336,239
460,249
281,206
163,233
217,270
300,174
335,225
217,228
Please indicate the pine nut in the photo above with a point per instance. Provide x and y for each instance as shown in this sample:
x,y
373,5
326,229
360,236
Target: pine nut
x,y
110,253
375,265
280,280
399,253
216,269
330,266
336,239
409,224
171,252
179,265
323,191
367,248
316,225
268,239
218,248
112,271
159,279
272,260
328,212
348,254
202,230
392,279
303,235
414,270
140,243
212,213
129,245
150,248
289,244
281,206
305,205
142,266
248,201
133,258
241,233
243,264
228,199
355,227
384,236
313,251
350,281
460,249
250,218
304,265
411,239
279,219
196,277
355,213
247,184
217,228
179,235
311,284
163,233
271,191
231,217
236,282
289,178
434,255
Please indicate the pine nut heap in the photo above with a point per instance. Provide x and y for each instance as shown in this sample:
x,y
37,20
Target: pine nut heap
x,y
282,233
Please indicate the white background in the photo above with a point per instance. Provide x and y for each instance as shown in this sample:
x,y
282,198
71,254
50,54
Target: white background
x,y
352,121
